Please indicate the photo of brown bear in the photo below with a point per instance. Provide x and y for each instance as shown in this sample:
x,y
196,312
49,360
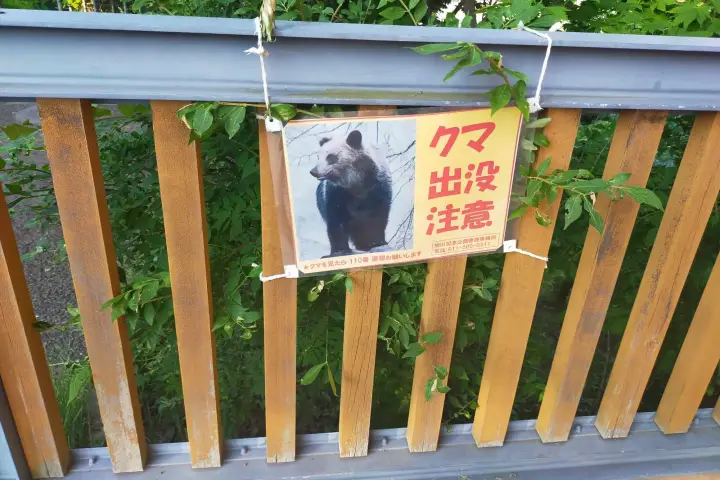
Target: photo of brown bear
x,y
352,185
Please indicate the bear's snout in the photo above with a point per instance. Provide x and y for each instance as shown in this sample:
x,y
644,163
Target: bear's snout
x,y
315,172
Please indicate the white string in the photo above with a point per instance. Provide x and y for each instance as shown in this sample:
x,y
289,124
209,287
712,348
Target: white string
x,y
510,246
291,271
535,101
260,52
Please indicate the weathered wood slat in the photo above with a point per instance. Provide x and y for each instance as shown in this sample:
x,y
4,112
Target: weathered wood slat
x,y
696,363
362,312
519,290
23,367
280,315
183,204
72,149
693,196
633,150
443,288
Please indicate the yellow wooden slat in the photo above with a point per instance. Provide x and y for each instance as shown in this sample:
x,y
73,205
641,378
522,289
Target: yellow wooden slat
x,y
362,312
23,367
693,196
696,363
183,202
279,311
72,149
441,302
519,290
633,149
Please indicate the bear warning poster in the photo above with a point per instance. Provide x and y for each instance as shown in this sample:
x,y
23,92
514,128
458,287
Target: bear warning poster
x,y
383,190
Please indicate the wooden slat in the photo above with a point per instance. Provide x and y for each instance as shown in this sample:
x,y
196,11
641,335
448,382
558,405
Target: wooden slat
x,y
71,145
633,149
693,196
443,288
23,367
183,204
280,316
519,290
362,312
696,363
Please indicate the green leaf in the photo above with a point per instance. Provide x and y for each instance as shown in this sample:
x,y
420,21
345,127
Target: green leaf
x,y
99,112
128,109
393,13
331,379
595,218
111,302
432,338
595,185
443,389
149,313
552,194
526,144
573,209
413,3
404,338
541,140
349,284
542,219
429,388
499,98
149,291
643,196
283,111
441,371
16,130
421,10
118,310
518,212
79,380
202,120
234,121
539,123
620,179
458,66
436,48
220,322
518,92
41,326
313,294
517,74
414,350
312,374
544,165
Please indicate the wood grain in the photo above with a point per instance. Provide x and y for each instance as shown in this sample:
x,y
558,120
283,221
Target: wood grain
x,y
696,363
443,288
691,201
183,204
633,150
362,313
72,149
23,367
280,318
519,290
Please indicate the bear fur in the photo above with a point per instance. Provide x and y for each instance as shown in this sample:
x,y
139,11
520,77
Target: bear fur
x,y
354,194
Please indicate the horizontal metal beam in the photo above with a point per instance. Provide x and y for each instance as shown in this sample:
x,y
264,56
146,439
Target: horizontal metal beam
x,y
137,57
647,452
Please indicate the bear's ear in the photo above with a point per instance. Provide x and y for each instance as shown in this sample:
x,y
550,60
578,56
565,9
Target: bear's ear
x,y
354,139
324,140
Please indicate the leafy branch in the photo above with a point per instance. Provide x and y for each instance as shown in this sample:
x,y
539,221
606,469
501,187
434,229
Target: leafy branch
x,y
435,383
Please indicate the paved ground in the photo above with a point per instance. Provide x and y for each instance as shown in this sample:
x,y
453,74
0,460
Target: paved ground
x,y
50,285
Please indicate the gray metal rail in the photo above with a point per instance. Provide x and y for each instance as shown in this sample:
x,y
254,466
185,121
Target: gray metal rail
x,y
647,452
136,57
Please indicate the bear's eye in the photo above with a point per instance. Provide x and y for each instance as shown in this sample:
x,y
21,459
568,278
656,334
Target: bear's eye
x,y
332,158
